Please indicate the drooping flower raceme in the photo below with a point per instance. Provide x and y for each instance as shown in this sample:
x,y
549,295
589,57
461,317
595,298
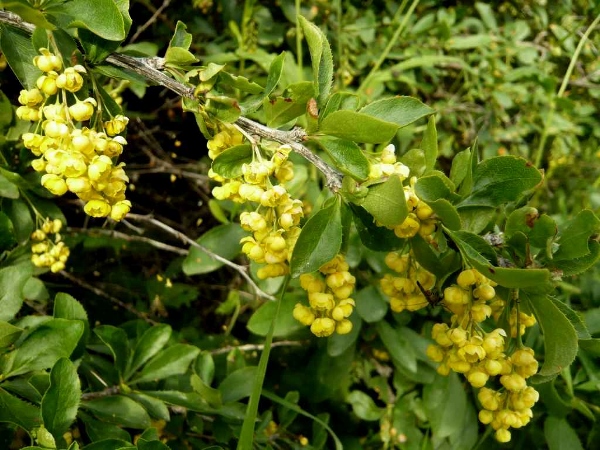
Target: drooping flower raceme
x,y
76,149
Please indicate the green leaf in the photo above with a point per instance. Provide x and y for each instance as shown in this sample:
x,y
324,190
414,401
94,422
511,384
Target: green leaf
x,y
400,349
223,240
240,82
472,246
8,238
359,127
174,360
281,110
211,395
447,213
445,403
110,444
559,434
61,400
223,108
346,155
19,53
574,239
66,307
12,280
260,321
149,344
320,240
8,334
432,187
460,166
430,261
155,408
229,163
28,14
189,400
119,410
570,267
98,430
52,340
373,237
527,220
476,218
20,216
181,38
386,202
400,110
363,406
116,341
477,41
370,304
339,101
15,410
497,181
560,337
101,17
321,57
238,385
275,72
429,145
7,188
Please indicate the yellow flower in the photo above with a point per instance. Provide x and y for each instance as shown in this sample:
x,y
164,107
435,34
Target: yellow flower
x,y
120,210
70,79
97,208
116,125
54,184
83,110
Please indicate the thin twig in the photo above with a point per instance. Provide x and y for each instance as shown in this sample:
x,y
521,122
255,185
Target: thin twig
x,y
182,237
111,390
150,21
127,237
253,347
150,68
101,293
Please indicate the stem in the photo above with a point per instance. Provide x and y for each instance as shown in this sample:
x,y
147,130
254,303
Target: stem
x,y
247,433
539,154
150,68
240,269
391,43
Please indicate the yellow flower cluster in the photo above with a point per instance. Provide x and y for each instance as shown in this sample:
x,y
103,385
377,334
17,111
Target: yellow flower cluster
x,y
466,348
420,215
386,165
329,299
402,289
74,157
274,223
47,252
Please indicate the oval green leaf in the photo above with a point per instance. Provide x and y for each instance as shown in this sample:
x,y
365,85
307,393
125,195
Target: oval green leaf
x,y
346,155
319,241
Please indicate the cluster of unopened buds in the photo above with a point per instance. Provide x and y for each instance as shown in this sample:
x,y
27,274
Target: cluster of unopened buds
x,y
403,287
420,215
464,347
274,223
71,156
329,292
46,251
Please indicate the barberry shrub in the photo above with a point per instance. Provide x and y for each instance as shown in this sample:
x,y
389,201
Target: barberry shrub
x,y
352,246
